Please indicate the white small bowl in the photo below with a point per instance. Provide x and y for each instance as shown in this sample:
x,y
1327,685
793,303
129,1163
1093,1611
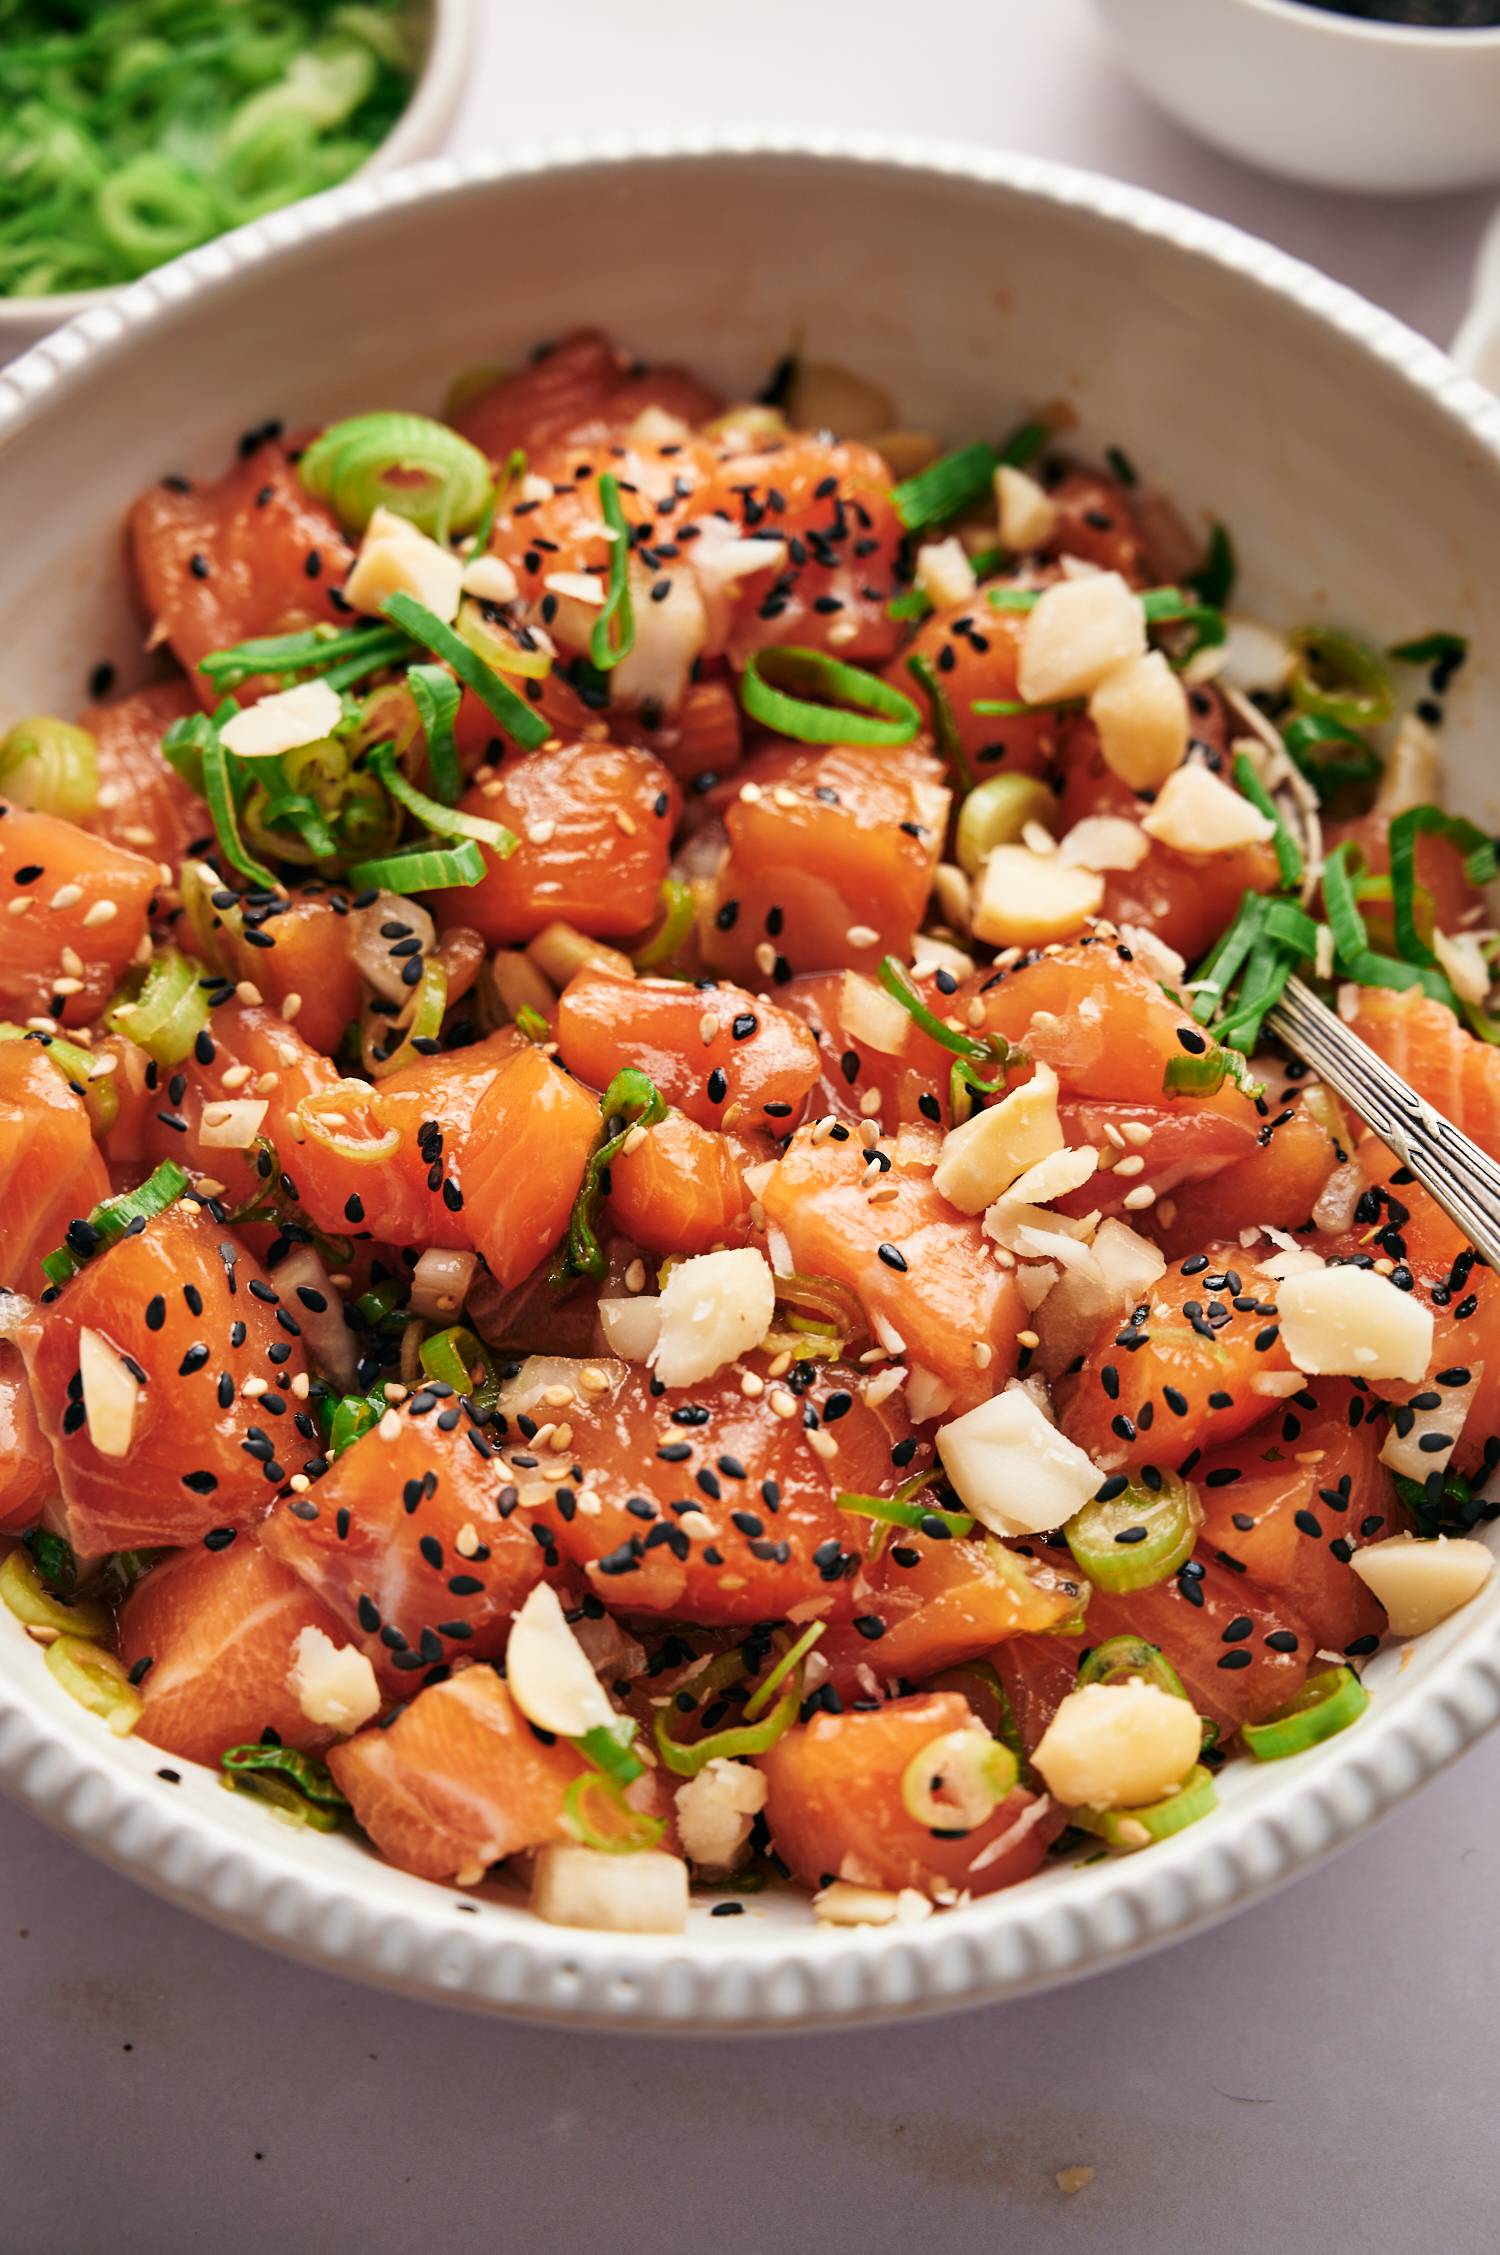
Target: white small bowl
x,y
1335,100
448,27
968,285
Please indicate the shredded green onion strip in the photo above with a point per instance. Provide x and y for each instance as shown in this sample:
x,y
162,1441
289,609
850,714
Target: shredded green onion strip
x,y
635,1101
443,821
613,634
778,688
519,719
110,1221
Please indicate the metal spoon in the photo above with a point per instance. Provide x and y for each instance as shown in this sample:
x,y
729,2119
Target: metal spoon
x,y
1464,1180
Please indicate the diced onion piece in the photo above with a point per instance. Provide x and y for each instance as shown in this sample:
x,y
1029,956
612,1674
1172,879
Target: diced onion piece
x,y
1027,512
1140,709
1421,1583
490,580
396,559
715,1811
1196,813
440,1281
1349,1322
1103,842
1117,1745
639,1894
109,1395
669,637
1012,1468
232,1123
870,1015
548,1671
370,947
519,984
1027,899
1462,957
333,1684
944,573
559,950
844,1903
985,1155
1077,632
927,1395
1413,774
283,722
537,1376
714,1308
631,1327
303,1283
1254,657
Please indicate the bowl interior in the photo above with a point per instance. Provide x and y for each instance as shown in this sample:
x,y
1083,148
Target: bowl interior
x,y
1352,493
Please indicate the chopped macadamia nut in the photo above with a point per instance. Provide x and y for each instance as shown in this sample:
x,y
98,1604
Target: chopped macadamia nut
x,y
1026,511
715,1811
549,1674
333,1684
1352,1323
944,573
1103,842
714,1308
646,1893
109,1395
1118,1745
1026,899
396,559
982,1158
631,1327
283,722
1141,712
1196,813
1012,1468
843,1903
1079,630
1421,1583
870,1015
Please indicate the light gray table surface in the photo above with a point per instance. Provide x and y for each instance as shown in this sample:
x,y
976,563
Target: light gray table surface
x,y
1322,2072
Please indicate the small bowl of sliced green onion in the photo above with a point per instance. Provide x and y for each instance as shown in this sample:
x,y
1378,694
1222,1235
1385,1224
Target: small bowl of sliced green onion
x,y
132,131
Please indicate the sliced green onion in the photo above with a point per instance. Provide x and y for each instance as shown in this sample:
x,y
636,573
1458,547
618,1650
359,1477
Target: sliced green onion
x,y
437,698
1206,1075
1225,960
613,1829
946,487
1288,852
419,1034
1327,1703
1141,1828
111,1220
958,1780
792,1658
220,796
900,1510
407,463
1120,1658
52,766
166,1011
1213,581
673,924
993,1050
856,708
610,1747
519,720
454,1356
96,1679
1339,678
964,1084
996,812
443,821
1174,606
1480,864
297,1784
1439,649
422,869
53,1559
1137,1539
634,1100
1343,761
339,656
1350,938
1013,598
25,1593
613,634
944,726
353,1416
686,1760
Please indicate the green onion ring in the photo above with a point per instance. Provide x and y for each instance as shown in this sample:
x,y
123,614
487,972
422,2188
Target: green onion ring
x,y
871,712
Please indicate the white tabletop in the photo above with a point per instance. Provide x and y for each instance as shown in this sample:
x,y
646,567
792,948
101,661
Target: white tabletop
x,y
1323,2071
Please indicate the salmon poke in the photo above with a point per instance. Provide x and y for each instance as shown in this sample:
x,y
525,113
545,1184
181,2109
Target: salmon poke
x,y
651,1243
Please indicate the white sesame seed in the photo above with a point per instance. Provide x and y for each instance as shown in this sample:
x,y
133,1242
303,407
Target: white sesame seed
x,y
1142,1196
248,992
102,912
538,833
1135,1164
781,1402
708,1028
290,1006
1136,1131
1028,1339
765,958
72,962
635,1277
66,896
822,1444
862,935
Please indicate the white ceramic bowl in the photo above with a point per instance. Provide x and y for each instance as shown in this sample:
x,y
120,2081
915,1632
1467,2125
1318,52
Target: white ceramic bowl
x,y
1361,476
1337,100
446,29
